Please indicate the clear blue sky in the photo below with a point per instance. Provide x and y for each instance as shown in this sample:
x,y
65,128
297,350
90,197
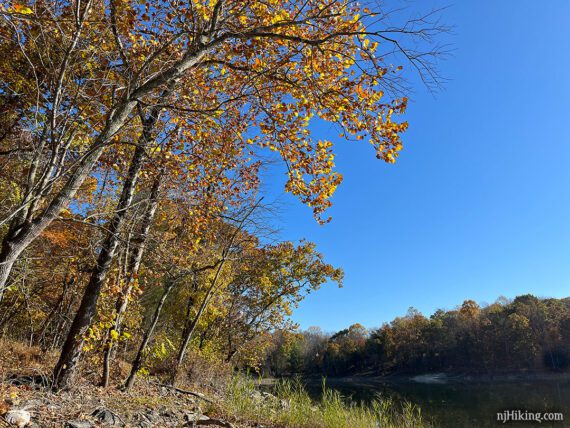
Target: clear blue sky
x,y
478,204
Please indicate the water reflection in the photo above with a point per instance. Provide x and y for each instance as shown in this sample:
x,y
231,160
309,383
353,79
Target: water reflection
x,y
464,404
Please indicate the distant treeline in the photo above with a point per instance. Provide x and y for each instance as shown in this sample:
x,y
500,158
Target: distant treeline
x,y
525,334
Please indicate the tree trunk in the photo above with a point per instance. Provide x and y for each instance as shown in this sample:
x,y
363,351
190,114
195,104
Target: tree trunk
x,y
123,300
71,351
19,237
137,362
17,240
7,260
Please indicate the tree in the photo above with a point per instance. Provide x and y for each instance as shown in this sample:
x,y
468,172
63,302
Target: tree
x,y
190,94
500,337
229,240
285,62
268,284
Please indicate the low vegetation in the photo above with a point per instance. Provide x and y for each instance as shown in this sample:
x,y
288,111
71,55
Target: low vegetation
x,y
226,399
292,406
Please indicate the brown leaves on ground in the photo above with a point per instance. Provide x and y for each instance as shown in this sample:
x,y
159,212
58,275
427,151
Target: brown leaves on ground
x,y
148,401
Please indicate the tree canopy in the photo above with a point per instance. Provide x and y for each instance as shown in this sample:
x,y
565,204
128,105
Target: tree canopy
x,y
131,142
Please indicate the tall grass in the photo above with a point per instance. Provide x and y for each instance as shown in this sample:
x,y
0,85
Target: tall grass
x,y
291,406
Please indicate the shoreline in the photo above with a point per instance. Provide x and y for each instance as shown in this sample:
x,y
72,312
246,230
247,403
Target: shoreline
x,y
435,378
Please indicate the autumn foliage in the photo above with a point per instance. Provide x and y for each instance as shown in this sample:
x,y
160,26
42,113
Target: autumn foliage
x,y
132,140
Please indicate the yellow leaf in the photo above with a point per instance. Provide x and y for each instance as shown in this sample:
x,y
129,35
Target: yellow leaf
x,y
22,9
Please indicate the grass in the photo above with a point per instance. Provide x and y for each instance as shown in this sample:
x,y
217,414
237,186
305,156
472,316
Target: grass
x,y
293,407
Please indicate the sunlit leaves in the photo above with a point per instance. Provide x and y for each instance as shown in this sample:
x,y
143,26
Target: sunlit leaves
x,y
24,10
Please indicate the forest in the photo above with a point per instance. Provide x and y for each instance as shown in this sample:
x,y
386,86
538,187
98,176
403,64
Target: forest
x,y
525,335
136,242
132,142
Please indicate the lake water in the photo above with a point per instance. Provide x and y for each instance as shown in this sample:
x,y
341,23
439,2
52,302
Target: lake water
x,y
464,404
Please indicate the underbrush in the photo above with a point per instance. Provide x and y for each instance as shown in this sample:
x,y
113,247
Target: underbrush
x,y
291,406
205,389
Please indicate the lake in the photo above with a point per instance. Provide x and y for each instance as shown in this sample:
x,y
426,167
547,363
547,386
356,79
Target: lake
x,y
463,403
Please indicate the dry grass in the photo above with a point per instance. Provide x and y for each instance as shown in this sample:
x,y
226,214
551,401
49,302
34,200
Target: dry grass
x,y
23,359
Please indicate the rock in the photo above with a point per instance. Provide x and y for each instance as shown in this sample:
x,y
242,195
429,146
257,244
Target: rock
x,y
106,416
33,404
146,420
268,396
19,418
78,424
167,413
195,417
256,395
264,396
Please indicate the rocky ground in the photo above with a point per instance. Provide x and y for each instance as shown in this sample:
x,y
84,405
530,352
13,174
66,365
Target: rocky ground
x,y
28,401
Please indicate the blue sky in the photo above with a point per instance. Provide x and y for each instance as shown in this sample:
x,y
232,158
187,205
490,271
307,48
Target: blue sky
x,y
478,204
